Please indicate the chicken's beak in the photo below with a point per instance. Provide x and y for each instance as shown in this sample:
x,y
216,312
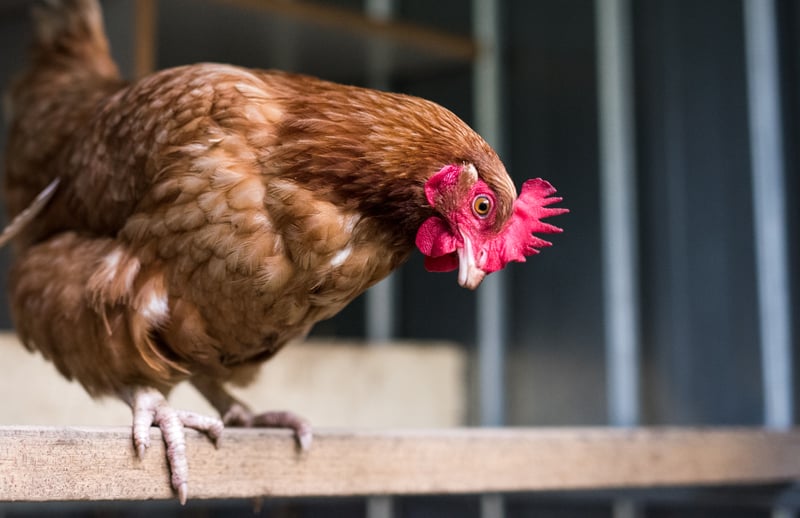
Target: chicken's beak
x,y
470,274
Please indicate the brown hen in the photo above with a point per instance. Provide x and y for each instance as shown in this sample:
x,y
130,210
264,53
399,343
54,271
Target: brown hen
x,y
207,214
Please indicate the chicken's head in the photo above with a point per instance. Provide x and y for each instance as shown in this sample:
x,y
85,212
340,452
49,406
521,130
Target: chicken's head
x,y
466,234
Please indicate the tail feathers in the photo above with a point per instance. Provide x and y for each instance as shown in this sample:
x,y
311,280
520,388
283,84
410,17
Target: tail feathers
x,y
64,20
70,29
21,220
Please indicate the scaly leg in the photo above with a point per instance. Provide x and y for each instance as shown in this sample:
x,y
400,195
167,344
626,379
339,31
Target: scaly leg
x,y
236,413
150,408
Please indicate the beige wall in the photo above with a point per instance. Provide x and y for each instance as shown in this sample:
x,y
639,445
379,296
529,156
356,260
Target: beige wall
x,y
334,384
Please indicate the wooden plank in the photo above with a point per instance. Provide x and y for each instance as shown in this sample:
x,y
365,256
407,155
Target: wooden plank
x,y
38,464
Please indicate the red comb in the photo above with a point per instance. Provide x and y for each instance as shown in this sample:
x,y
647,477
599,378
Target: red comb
x,y
517,240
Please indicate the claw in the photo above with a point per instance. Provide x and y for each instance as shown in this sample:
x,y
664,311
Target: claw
x,y
151,408
183,493
305,439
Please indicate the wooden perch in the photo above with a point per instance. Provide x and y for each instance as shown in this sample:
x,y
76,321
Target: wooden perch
x,y
38,464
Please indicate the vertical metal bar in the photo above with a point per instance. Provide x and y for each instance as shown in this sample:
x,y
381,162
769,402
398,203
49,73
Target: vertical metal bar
x,y
380,507
619,217
491,297
381,10
380,299
618,206
626,508
769,215
491,339
769,211
381,309
377,52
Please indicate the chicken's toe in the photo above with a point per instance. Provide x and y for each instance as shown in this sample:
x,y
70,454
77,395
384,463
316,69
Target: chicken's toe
x,y
239,415
284,419
211,426
236,413
150,408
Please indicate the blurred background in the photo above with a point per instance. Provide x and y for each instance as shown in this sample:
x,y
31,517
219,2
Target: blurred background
x,y
670,129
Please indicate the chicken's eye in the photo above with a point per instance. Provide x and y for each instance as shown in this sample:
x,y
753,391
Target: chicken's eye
x,y
481,205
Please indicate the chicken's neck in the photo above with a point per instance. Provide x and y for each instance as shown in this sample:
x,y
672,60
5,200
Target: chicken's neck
x,y
394,205
366,151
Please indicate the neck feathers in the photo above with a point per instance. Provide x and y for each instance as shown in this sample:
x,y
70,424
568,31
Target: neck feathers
x,y
373,151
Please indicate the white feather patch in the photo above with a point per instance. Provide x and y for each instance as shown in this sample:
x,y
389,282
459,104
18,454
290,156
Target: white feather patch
x,y
112,269
113,279
340,257
156,309
349,223
111,262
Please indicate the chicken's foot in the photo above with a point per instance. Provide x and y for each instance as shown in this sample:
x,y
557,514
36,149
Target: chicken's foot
x,y
239,415
236,414
150,408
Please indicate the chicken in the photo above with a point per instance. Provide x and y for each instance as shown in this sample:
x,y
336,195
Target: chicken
x,y
206,215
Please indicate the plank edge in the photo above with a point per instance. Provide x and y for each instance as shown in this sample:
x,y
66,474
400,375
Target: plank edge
x,y
98,463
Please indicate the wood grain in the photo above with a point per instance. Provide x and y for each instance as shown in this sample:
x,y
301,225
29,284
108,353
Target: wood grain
x,y
38,464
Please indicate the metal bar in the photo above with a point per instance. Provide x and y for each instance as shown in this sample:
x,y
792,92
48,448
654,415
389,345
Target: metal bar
x,y
381,316
491,297
769,211
380,507
487,72
491,336
626,508
618,206
619,218
380,299
378,54
769,216
491,339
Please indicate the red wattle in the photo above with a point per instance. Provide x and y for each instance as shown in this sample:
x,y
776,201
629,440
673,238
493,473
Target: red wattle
x,y
437,242
434,238
443,263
